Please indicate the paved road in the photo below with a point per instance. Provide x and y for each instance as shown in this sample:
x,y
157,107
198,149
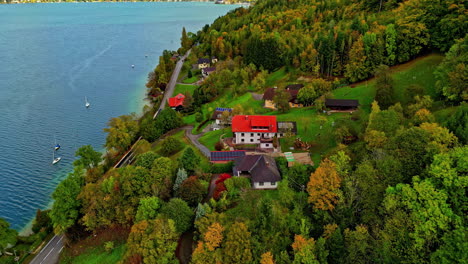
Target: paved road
x,y
172,82
50,253
129,156
194,139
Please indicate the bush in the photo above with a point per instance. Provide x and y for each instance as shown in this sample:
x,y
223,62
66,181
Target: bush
x,y
221,168
198,117
170,146
109,246
235,184
219,146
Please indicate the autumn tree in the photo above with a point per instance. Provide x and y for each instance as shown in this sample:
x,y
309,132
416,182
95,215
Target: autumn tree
x,y
153,241
122,132
192,191
323,186
238,248
267,258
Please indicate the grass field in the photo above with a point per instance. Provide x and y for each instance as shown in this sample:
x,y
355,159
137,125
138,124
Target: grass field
x,y
183,88
276,77
417,72
211,138
190,80
99,256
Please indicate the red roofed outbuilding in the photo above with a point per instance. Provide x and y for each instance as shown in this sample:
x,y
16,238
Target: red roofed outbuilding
x,y
177,102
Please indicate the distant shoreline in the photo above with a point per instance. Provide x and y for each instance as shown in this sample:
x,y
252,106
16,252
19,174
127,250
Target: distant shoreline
x,y
146,1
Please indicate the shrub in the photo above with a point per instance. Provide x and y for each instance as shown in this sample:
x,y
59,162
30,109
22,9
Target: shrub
x,y
170,146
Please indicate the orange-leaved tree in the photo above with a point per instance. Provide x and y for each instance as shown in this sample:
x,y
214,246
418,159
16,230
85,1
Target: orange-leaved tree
x,y
324,185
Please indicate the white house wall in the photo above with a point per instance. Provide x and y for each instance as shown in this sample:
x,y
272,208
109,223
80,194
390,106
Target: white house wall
x,y
251,137
266,185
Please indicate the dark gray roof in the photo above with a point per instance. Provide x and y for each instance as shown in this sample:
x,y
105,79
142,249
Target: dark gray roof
x,y
209,69
294,86
226,155
341,102
203,60
261,168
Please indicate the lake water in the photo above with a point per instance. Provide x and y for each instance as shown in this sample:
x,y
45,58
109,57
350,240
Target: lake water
x,y
51,57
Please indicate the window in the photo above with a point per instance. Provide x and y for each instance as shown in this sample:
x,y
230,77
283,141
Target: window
x,y
242,140
258,134
260,184
267,145
251,134
281,134
251,140
242,134
273,183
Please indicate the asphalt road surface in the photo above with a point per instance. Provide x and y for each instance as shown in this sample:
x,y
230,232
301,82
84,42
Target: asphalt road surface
x,y
50,253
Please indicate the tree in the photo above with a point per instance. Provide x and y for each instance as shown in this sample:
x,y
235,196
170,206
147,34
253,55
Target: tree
x,y
355,69
359,245
8,237
66,207
179,211
267,258
304,250
384,85
237,248
148,209
89,158
451,74
181,177
189,161
458,123
185,42
162,172
307,95
192,191
390,43
324,185
42,222
170,146
122,132
198,117
281,100
213,236
153,241
146,159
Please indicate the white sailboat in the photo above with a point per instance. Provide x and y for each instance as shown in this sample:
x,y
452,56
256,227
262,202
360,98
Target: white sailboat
x,y
54,159
87,104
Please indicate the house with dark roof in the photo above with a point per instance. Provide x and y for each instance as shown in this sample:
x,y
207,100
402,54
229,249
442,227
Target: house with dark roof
x,y
225,156
207,71
341,104
218,114
214,60
177,102
261,170
292,89
203,63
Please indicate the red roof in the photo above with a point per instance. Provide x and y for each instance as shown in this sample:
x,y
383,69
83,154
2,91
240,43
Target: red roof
x,y
246,123
177,100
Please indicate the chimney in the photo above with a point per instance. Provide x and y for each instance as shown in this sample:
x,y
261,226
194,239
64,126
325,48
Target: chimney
x,y
246,117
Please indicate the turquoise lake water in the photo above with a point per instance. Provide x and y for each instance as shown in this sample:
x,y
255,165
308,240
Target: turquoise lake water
x,y
51,57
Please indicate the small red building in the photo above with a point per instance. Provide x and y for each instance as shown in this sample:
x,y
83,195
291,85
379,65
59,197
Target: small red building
x,y
177,102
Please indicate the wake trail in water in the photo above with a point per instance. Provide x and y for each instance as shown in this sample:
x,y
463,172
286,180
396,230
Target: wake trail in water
x,y
78,69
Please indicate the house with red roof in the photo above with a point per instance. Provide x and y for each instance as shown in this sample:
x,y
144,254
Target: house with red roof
x,y
177,102
252,129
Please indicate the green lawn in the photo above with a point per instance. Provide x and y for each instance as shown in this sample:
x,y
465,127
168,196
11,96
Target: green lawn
x,y
183,88
275,77
99,256
209,139
190,80
417,72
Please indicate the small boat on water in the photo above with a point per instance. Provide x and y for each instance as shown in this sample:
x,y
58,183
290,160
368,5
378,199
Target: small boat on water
x,y
87,104
54,159
57,146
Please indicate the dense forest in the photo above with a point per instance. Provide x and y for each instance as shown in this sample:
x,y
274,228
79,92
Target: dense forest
x,y
392,188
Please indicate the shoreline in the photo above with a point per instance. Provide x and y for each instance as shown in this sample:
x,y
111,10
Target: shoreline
x,y
81,2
